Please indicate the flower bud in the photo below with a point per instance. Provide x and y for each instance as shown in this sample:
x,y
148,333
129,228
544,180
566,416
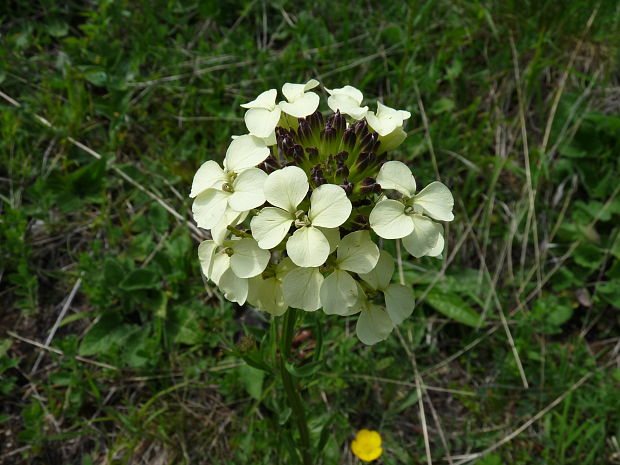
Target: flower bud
x,y
304,131
269,165
313,153
360,128
297,153
369,141
342,156
315,120
328,134
365,159
342,170
369,185
349,139
347,186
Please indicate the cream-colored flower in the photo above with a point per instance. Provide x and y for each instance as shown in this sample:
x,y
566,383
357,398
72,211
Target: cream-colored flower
x,y
285,189
405,218
375,323
301,102
387,119
230,264
237,187
266,293
263,114
348,101
356,253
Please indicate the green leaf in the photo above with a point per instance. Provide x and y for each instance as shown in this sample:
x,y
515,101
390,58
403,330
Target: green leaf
x,y
452,306
108,332
140,279
588,256
252,379
305,370
98,78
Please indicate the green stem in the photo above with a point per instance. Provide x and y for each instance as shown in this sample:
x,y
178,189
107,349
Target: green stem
x,y
290,387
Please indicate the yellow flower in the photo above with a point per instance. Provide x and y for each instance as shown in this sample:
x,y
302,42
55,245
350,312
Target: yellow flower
x,y
367,445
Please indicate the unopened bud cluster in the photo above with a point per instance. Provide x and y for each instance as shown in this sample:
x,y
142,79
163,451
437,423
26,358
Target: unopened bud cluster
x,y
297,208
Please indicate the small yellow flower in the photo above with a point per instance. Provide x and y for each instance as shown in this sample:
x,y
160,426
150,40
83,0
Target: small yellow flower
x,y
367,445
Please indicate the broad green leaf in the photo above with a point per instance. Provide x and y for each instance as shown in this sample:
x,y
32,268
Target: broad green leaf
x,y
252,379
452,306
140,279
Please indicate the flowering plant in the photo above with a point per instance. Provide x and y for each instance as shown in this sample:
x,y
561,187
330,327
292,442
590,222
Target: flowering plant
x,y
297,208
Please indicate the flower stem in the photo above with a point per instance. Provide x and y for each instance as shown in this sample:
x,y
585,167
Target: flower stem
x,y
290,386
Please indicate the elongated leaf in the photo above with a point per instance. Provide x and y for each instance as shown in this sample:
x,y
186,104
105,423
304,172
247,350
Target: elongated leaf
x,y
452,306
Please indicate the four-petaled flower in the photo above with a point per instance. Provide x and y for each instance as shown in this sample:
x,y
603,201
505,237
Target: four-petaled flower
x,y
301,103
237,187
405,218
285,189
348,101
263,114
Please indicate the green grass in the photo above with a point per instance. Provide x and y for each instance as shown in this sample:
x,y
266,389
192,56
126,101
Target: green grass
x,y
514,104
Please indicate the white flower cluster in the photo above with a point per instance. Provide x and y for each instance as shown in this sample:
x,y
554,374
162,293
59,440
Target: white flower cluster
x,y
296,208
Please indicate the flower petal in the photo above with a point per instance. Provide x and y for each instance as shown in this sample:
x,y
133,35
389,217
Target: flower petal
x,y
244,152
438,249
357,252
270,298
234,288
329,206
209,175
308,247
396,175
381,275
389,221
248,259
301,288
373,325
386,119
399,302
436,201
270,226
266,100
209,207
286,188
392,140
423,238
248,190
333,237
220,231
294,91
338,293
206,253
261,122
347,100
302,106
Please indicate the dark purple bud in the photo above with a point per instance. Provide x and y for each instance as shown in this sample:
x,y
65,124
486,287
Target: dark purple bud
x,y
290,163
316,170
298,153
318,180
365,159
360,128
270,164
304,130
369,185
347,186
361,222
360,203
328,134
315,120
342,170
349,138
342,156
313,153
368,142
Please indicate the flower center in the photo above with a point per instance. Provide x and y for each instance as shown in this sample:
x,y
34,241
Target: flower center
x,y
301,219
